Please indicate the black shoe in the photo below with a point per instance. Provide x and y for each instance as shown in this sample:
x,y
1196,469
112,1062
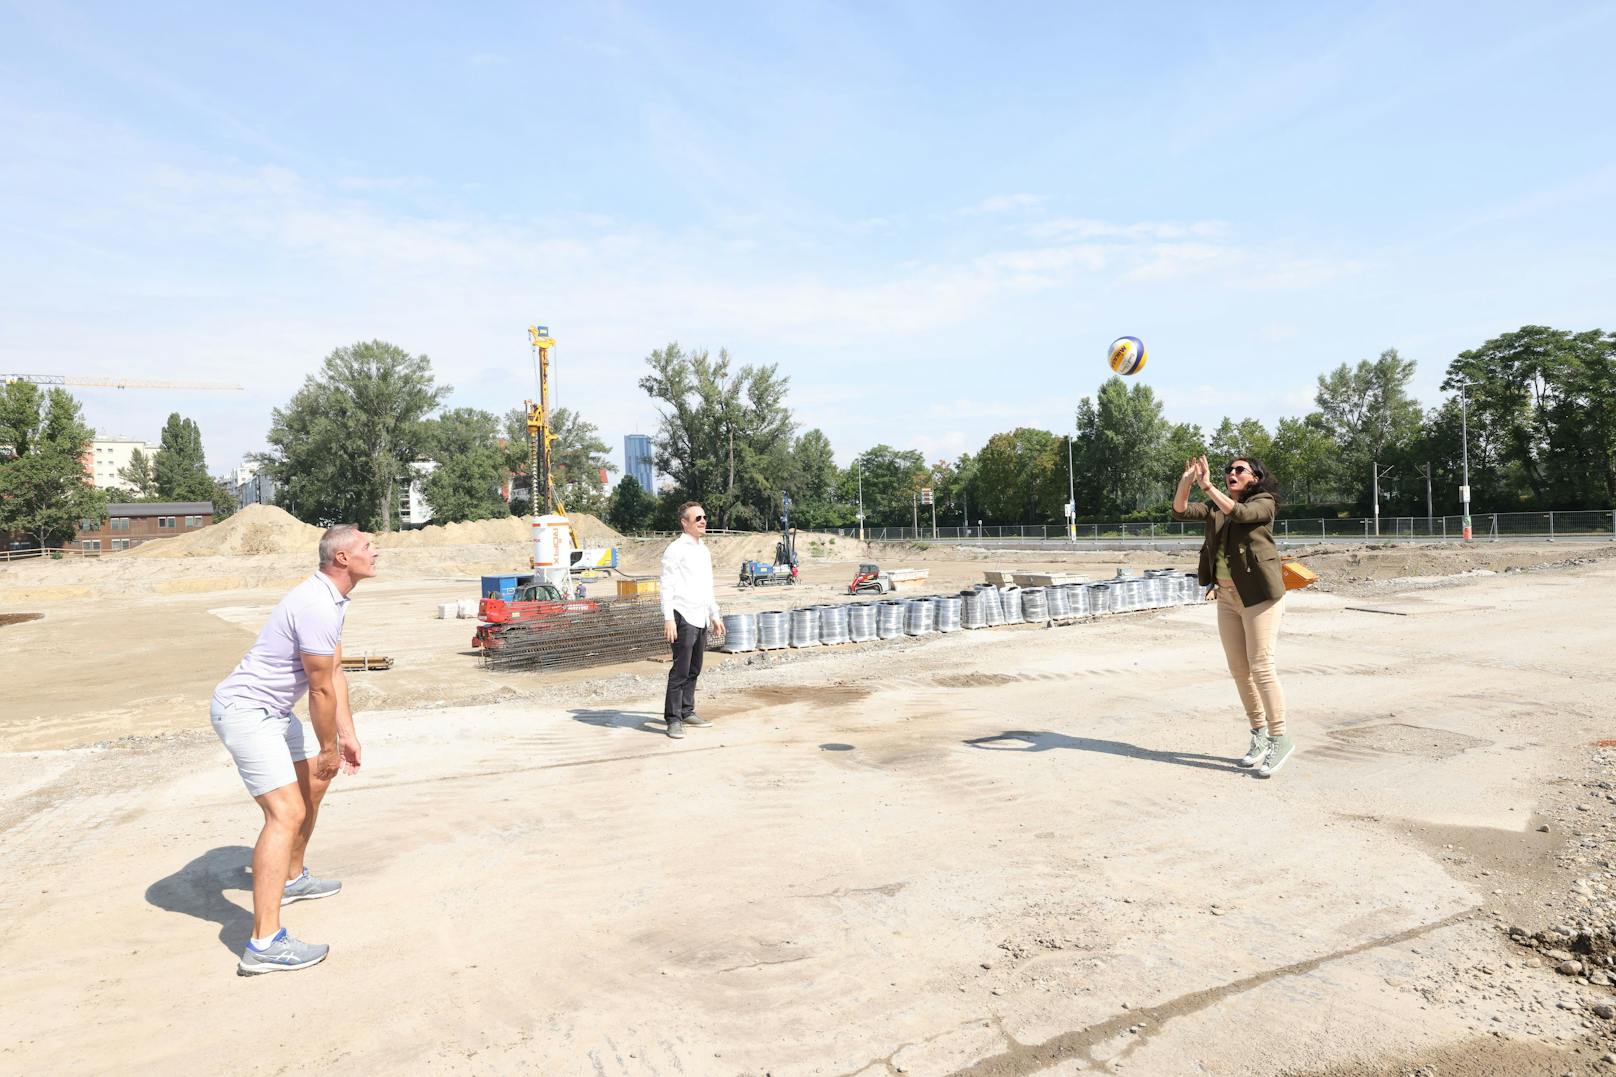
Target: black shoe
x,y
676,729
696,721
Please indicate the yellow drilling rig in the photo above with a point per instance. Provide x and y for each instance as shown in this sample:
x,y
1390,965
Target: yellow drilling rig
x,y
557,553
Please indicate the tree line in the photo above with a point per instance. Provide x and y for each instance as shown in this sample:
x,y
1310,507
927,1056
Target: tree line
x,y
1538,406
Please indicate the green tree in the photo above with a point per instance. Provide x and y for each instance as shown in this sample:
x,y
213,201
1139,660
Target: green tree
x,y
344,443
724,436
1367,411
1303,460
577,457
1248,437
44,491
890,478
632,507
180,469
813,482
140,475
1183,441
465,484
1022,476
1125,430
1544,396
224,500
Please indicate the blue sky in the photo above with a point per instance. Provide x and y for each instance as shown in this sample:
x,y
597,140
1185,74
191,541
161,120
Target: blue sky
x,y
933,217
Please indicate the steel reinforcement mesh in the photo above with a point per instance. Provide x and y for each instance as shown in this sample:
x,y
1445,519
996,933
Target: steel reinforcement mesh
x,y
618,631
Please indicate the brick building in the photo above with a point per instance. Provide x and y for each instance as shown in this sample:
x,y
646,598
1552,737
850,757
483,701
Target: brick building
x,y
130,525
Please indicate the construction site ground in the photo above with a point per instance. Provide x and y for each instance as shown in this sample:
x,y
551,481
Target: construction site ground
x,y
1022,850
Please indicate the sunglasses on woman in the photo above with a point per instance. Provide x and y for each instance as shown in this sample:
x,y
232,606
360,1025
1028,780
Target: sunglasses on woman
x,y
1238,469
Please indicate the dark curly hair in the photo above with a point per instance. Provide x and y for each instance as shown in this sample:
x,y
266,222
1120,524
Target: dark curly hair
x,y
1266,483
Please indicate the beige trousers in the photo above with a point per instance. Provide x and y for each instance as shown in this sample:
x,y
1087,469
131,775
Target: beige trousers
x,y
1249,635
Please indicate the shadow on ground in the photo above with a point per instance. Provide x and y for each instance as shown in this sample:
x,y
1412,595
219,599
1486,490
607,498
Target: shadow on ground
x,y
1022,740
198,889
616,719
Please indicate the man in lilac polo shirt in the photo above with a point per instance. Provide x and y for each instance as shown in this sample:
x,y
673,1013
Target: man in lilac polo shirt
x,y
299,650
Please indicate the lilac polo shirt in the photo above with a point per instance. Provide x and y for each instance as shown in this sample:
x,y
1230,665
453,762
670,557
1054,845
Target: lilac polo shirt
x,y
307,621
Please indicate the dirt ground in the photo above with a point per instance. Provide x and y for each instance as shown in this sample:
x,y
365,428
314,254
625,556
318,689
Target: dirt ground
x,y
1023,850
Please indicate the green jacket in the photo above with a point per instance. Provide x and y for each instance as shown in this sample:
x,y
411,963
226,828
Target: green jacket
x,y
1247,535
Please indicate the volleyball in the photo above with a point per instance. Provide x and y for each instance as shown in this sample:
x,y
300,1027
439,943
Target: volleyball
x,y
1127,355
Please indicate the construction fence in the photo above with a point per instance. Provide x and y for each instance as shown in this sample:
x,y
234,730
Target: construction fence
x,y
1578,524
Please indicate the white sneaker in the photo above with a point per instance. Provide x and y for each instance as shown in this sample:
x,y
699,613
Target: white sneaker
x,y
1279,753
1256,751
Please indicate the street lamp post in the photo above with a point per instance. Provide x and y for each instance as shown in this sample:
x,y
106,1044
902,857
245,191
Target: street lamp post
x,y
1071,495
861,499
1464,457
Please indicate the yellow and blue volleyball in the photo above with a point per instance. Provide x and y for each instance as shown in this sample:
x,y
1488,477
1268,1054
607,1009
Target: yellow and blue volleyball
x,y
1127,355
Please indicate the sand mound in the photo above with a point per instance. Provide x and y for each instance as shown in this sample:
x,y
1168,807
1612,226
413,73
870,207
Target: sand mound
x,y
264,529
256,529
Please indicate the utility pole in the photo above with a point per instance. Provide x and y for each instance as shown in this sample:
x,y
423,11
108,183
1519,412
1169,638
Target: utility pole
x,y
1464,456
1428,513
916,508
1375,467
1071,494
861,498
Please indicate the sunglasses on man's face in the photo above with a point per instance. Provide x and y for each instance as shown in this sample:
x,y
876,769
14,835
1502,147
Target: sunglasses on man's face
x,y
698,519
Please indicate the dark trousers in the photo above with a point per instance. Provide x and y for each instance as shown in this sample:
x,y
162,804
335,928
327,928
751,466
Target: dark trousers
x,y
688,647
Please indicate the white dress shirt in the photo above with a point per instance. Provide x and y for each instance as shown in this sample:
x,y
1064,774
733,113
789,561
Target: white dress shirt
x,y
687,582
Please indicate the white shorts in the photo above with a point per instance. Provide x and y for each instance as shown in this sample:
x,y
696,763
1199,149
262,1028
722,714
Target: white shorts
x,y
264,745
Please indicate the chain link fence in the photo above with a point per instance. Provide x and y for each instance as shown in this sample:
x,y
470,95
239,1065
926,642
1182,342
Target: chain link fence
x,y
1580,524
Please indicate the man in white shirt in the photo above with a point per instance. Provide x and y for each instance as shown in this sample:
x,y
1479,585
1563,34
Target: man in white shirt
x,y
689,607
299,650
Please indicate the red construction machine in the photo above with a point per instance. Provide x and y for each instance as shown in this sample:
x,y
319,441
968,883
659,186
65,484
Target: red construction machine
x,y
528,610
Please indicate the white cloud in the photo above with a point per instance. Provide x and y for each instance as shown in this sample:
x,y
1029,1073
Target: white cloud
x,y
1001,203
1089,228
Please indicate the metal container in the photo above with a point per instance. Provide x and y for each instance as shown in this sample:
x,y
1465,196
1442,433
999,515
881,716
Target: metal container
x,y
948,613
919,616
1010,602
773,630
915,612
740,632
1060,603
889,619
973,609
992,607
833,623
1191,587
1034,605
1077,596
1099,598
805,627
861,622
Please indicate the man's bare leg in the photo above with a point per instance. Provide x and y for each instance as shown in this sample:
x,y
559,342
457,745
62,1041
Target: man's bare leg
x,y
311,790
284,812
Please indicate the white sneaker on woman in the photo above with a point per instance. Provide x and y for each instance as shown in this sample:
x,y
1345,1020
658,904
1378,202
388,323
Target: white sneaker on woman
x,y
1258,749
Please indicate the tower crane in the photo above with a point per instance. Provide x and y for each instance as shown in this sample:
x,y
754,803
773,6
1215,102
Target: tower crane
x,y
112,383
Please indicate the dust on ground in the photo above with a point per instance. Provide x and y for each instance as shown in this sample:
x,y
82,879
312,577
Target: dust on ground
x,y
1023,850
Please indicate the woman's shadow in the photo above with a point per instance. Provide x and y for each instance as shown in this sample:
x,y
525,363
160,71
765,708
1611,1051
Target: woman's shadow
x,y
1023,740
198,889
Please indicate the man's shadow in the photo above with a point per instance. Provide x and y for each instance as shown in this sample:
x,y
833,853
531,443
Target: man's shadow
x,y
198,889
1021,740
610,718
